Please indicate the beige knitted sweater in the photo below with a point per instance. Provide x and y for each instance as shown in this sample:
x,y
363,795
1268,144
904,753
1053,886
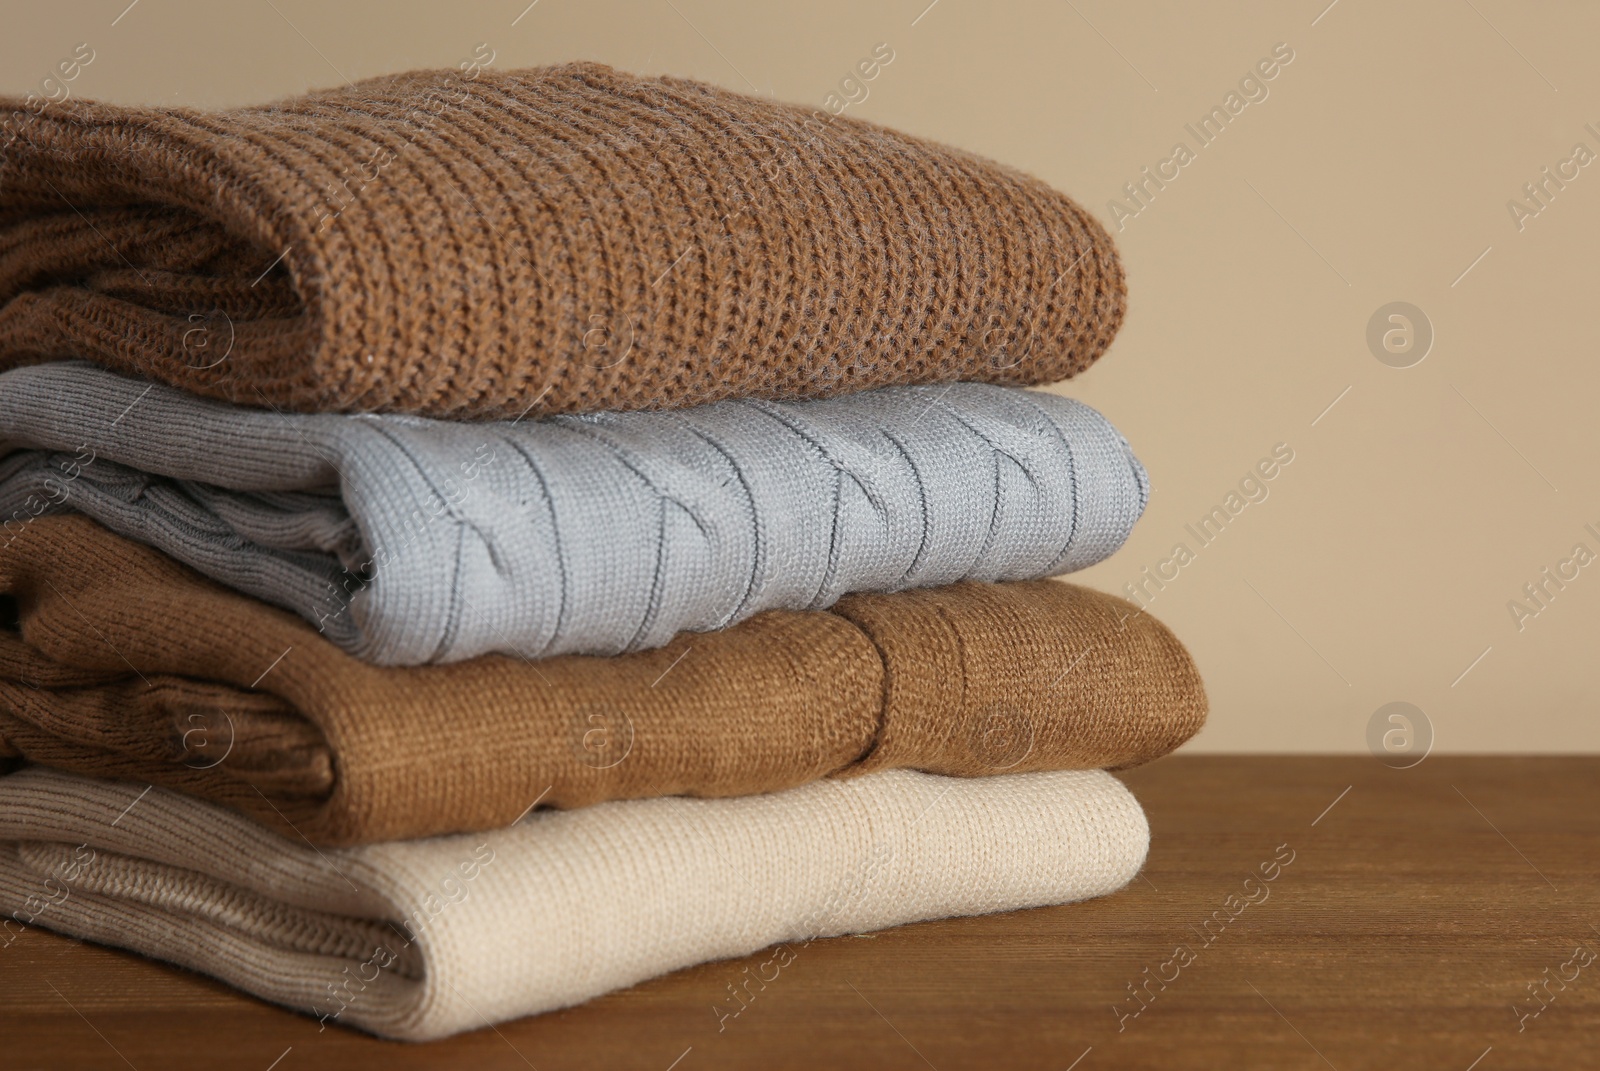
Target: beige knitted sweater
x,y
419,939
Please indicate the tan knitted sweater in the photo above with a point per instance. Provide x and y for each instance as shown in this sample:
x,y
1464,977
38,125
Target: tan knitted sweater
x,y
130,666
566,238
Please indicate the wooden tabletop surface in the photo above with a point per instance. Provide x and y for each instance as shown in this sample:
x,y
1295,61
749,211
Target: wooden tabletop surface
x,y
1305,912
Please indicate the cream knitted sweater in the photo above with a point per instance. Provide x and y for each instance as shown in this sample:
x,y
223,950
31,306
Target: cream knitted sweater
x,y
420,939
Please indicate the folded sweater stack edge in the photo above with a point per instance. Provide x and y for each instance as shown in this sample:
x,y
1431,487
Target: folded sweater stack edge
x,y
471,540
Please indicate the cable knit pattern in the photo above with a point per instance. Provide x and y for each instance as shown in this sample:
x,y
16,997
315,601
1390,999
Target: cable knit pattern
x,y
410,541
421,939
570,238
130,666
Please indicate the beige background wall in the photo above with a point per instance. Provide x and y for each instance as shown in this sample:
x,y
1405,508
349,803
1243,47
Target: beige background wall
x,y
1378,168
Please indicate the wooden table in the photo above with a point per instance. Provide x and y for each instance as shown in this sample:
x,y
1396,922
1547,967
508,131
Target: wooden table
x,y
1409,913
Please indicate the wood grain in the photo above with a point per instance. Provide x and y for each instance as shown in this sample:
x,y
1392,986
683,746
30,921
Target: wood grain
x,y
1416,911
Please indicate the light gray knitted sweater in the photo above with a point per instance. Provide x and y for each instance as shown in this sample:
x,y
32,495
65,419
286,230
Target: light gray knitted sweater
x,y
408,540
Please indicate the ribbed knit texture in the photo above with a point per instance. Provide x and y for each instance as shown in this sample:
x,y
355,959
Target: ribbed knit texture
x,y
130,666
575,535
420,939
571,238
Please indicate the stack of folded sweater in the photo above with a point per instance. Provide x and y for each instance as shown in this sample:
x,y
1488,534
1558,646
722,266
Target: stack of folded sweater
x,y
470,544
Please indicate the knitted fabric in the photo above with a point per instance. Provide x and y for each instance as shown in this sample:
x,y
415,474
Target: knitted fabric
x,y
410,541
568,238
420,939
130,666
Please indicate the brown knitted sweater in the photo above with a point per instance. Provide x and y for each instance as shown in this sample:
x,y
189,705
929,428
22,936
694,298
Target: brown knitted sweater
x,y
566,238
130,666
